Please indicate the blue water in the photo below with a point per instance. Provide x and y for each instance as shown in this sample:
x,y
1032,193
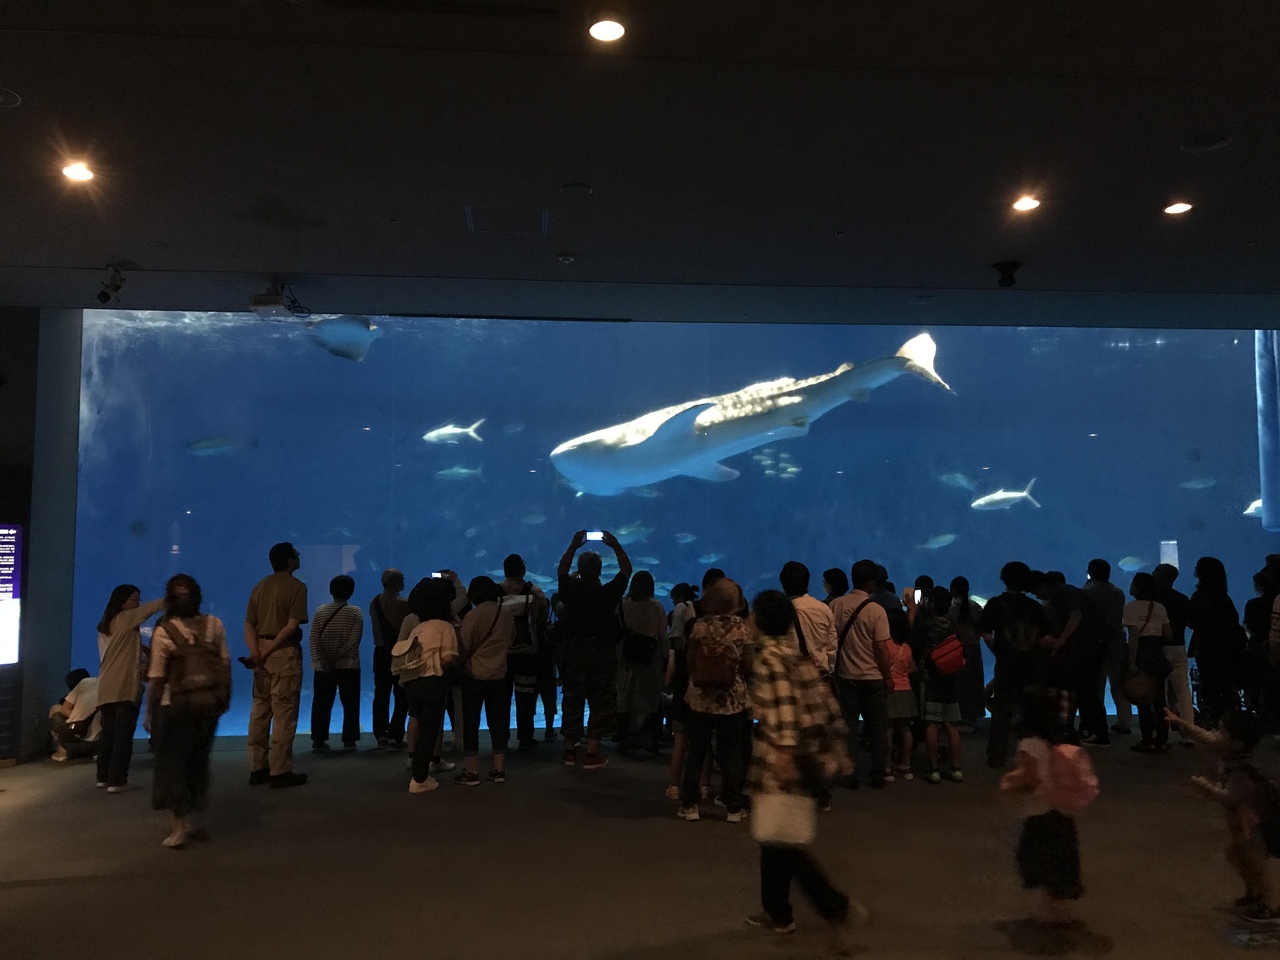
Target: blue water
x,y
327,452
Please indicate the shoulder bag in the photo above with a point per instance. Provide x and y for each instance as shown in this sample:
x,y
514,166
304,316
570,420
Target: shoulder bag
x,y
637,648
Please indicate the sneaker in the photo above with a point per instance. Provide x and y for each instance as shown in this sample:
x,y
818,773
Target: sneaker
x,y
570,758
688,813
319,747
349,748
101,784
1263,915
384,743
549,736
824,806
174,841
1123,731
290,779
497,776
467,779
122,788
60,756
955,775
889,778
736,816
933,776
426,786
762,921
443,766
1093,740
673,792
719,802
594,761
905,773
256,778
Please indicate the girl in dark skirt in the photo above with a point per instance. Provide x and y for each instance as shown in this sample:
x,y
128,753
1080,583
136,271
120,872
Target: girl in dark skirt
x,y
190,689
1054,781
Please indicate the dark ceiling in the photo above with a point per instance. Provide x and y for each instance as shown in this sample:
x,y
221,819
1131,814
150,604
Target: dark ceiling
x,y
791,160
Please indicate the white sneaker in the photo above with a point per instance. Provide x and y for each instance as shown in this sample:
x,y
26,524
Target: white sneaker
x,y
123,788
174,841
688,813
101,784
60,756
736,817
444,766
426,786
888,778
673,792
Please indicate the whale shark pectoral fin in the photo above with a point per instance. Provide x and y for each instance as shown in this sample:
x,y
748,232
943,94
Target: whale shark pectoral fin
x,y
716,472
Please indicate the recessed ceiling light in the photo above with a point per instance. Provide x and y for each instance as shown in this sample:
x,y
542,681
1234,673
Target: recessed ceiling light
x,y
607,30
1026,203
77,171
1178,207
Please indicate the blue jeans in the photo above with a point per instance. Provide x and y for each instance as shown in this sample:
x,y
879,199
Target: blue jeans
x,y
870,700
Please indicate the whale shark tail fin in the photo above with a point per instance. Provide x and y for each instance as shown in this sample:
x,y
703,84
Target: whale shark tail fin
x,y
919,353
1027,493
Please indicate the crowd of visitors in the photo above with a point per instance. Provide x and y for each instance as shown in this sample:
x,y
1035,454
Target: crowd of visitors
x,y
775,703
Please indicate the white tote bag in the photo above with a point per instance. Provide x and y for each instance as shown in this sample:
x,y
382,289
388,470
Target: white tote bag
x,y
784,819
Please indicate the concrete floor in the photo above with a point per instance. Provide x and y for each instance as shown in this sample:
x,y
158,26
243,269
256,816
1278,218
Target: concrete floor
x,y
563,863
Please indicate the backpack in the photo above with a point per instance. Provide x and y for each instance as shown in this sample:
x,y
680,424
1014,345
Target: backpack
x,y
1268,808
413,658
522,656
1067,781
712,661
199,681
637,648
947,658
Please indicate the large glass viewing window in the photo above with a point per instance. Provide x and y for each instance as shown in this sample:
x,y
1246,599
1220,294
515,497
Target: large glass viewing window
x,y
427,444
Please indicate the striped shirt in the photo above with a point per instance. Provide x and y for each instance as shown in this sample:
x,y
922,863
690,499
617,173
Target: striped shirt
x,y
336,629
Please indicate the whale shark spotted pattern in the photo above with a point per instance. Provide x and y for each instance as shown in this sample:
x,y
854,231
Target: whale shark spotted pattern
x,y
690,439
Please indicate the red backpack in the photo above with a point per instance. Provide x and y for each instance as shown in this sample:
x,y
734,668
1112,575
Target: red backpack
x,y
947,658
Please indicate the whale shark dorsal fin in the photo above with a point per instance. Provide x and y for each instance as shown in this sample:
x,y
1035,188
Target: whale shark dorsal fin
x,y
682,422
716,472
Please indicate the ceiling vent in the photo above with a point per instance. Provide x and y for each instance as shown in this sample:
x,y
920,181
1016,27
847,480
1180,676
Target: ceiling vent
x,y
507,220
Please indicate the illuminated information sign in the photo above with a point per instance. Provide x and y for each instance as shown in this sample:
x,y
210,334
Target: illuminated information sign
x,y
10,591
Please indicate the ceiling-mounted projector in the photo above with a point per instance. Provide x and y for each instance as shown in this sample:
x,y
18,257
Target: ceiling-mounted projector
x,y
270,305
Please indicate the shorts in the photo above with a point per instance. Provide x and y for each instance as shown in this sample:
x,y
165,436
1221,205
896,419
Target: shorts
x,y
1049,856
902,705
941,712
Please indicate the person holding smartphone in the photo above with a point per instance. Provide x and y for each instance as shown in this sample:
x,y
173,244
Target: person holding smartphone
x,y
589,660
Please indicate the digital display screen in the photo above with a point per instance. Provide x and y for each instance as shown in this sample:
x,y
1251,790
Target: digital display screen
x,y
10,592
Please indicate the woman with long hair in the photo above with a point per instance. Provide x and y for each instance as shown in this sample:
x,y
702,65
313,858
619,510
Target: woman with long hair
x,y
1217,641
972,682
644,628
190,689
120,681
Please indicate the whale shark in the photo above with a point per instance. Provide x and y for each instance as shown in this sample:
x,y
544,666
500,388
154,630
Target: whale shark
x,y
690,439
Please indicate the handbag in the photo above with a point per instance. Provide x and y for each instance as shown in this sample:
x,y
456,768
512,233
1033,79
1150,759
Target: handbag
x,y
637,648
1140,688
1141,685
784,819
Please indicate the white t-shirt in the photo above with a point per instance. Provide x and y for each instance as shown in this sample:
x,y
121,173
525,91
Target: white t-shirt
x,y
1135,615
83,701
438,639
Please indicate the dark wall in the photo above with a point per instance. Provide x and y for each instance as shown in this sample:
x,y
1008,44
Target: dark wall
x,y
19,334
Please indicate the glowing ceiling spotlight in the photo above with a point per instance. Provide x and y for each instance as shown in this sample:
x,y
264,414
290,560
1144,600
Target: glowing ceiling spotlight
x,y
1023,204
607,31
78,171
1177,208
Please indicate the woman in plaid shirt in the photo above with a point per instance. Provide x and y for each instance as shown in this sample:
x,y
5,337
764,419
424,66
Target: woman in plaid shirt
x,y
800,741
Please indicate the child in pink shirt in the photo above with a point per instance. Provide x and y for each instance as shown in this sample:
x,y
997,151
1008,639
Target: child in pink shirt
x,y
902,706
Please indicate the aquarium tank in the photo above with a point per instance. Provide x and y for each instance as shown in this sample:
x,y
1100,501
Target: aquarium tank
x,y
433,443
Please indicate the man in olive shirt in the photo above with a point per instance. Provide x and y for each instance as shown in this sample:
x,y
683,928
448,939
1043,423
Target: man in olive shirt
x,y
273,633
